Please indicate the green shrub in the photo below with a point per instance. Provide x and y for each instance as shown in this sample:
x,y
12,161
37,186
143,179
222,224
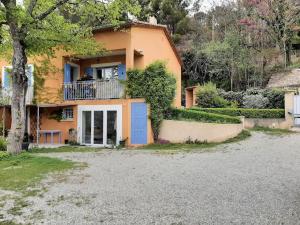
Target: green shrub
x,y
183,114
248,113
255,102
254,91
208,97
231,96
3,155
276,98
254,98
3,144
157,86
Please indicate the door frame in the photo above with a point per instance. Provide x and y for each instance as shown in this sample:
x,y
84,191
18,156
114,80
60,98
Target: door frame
x,y
103,108
296,110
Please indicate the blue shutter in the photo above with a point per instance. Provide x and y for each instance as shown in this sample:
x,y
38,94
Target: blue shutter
x,y
139,121
122,72
67,73
6,78
89,71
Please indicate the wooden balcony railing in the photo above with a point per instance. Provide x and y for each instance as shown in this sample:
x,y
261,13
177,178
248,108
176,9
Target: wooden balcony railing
x,y
88,90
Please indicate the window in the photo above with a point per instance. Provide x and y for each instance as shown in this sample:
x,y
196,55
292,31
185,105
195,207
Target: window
x,y
6,76
67,114
99,75
106,73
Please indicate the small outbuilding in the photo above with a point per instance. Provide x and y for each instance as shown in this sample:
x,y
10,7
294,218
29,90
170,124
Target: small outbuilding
x,y
190,96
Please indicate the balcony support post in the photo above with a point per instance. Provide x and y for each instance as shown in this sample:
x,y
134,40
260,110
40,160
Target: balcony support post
x,y
3,120
38,125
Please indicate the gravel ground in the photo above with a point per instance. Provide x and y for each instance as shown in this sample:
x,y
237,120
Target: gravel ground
x,y
256,181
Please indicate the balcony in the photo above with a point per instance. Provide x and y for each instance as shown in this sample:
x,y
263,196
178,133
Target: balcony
x,y
93,89
6,94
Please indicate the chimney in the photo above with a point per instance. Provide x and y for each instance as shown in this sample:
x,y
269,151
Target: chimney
x,y
152,20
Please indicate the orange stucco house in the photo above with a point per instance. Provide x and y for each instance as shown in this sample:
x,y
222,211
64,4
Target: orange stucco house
x,y
83,99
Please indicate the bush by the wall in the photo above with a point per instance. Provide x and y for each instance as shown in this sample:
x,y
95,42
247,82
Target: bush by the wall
x,y
3,144
255,102
232,96
248,113
183,114
208,96
276,98
157,86
254,91
255,98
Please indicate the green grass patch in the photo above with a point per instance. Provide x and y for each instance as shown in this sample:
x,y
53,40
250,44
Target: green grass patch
x,y
65,149
22,171
294,66
272,131
195,146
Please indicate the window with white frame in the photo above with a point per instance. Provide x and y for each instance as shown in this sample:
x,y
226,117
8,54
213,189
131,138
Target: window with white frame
x,y
6,75
67,114
106,73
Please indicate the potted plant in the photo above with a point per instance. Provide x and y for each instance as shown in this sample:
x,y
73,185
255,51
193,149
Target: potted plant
x,y
122,143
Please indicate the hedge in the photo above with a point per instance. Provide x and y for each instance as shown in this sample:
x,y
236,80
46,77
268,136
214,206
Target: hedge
x,y
248,113
184,114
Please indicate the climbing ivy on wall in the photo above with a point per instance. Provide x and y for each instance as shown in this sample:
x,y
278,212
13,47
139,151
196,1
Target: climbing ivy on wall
x,y
157,86
43,69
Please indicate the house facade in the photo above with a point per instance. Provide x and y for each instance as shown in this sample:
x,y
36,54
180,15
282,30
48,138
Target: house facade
x,y
82,98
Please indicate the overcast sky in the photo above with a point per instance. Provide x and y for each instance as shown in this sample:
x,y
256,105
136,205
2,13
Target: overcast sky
x,y
208,4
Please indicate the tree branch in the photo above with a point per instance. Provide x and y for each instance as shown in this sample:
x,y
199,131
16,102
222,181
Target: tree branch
x,y
51,9
31,6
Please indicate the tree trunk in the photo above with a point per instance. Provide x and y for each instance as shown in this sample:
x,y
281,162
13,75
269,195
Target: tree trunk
x,y
288,54
19,89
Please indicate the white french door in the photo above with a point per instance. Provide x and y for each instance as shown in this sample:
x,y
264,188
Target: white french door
x,y
100,125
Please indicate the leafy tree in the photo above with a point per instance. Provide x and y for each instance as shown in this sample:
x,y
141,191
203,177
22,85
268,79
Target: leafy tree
x,y
37,28
278,17
223,50
157,86
173,13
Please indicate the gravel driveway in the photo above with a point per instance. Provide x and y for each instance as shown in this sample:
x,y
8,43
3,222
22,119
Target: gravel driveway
x,y
256,181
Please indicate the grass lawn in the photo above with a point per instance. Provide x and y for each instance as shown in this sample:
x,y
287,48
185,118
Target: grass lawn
x,y
24,170
272,131
194,146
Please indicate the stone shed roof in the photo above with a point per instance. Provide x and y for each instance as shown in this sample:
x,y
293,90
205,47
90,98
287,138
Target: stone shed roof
x,y
285,79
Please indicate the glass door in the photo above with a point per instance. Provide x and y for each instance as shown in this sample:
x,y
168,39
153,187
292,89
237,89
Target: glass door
x,y
98,128
87,127
100,125
111,134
